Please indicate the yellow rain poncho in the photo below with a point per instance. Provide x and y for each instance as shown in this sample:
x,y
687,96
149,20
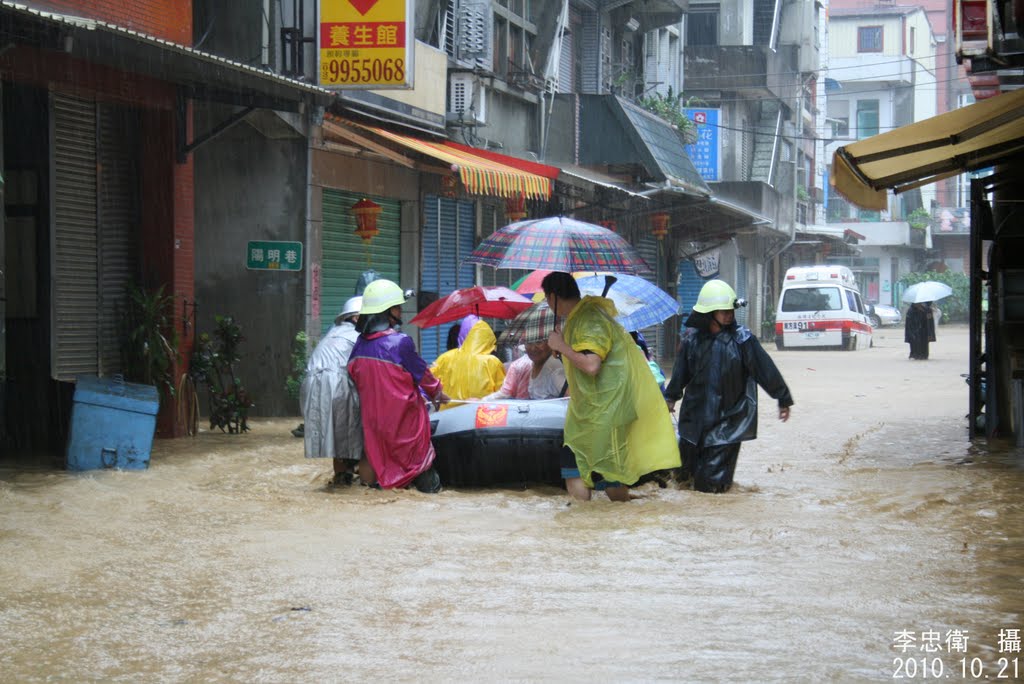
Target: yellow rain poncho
x,y
617,423
472,370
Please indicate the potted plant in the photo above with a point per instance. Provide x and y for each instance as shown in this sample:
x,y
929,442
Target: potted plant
x,y
148,339
919,218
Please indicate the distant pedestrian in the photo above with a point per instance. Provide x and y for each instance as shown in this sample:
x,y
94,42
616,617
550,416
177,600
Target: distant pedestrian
x,y
719,365
919,329
390,375
617,428
329,400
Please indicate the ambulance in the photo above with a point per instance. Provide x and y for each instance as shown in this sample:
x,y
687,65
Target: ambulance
x,y
821,306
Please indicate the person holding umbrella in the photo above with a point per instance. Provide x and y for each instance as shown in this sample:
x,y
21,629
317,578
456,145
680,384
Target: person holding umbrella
x,y
719,365
389,375
919,329
617,427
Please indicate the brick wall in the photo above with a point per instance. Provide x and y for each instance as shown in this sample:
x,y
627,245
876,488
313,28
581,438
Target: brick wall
x,y
167,19
168,254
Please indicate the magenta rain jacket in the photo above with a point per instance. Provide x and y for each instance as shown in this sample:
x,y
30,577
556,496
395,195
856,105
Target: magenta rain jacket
x,y
389,373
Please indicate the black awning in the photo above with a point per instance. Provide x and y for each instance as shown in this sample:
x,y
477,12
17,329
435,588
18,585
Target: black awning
x,y
200,75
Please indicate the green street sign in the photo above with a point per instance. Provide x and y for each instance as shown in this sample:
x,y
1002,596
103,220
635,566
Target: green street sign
x,y
264,255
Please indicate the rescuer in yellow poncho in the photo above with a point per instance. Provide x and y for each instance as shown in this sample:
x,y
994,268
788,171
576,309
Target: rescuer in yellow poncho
x,y
472,370
617,424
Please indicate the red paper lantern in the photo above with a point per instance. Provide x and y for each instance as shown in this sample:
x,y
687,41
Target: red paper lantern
x,y
515,208
366,213
610,225
659,224
449,186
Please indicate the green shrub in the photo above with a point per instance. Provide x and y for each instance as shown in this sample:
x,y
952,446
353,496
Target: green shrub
x,y
148,340
213,365
300,355
954,307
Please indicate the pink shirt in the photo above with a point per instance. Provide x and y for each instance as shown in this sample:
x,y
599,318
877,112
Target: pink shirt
x,y
517,380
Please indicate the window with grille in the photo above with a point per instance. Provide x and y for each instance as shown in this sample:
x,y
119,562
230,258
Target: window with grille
x,y
869,39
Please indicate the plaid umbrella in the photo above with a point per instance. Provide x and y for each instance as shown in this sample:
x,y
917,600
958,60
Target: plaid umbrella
x,y
532,325
558,243
641,303
489,302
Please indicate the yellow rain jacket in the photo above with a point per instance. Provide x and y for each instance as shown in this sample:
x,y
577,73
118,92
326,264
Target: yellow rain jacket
x,y
617,423
472,370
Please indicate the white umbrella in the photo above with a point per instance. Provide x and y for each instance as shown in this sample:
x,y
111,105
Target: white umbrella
x,y
928,291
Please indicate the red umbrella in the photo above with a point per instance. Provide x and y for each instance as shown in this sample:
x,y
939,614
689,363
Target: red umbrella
x,y
489,302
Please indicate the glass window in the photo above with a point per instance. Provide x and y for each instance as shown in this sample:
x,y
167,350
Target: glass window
x,y
812,299
867,118
702,27
860,304
869,39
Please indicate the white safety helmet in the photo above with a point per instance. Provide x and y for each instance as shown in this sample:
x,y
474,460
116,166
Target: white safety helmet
x,y
381,295
351,308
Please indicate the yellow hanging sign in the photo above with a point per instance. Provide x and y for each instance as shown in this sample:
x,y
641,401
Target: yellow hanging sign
x,y
365,44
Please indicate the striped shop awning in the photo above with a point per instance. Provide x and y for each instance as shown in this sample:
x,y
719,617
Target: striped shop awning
x,y
479,175
481,172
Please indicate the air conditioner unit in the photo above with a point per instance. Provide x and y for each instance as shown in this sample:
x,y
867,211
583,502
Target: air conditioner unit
x,y
467,100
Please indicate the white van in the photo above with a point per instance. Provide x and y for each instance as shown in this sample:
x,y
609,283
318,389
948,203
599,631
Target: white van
x,y
821,306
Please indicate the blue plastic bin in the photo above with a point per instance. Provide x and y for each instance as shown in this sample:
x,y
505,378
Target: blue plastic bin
x,y
112,424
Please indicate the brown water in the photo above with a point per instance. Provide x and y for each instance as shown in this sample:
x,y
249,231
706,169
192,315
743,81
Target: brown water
x,y
231,559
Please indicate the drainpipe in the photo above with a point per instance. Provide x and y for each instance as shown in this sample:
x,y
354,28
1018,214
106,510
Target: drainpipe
x,y
265,35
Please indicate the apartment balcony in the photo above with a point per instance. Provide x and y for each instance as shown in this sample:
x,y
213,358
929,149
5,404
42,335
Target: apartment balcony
x,y
886,70
887,233
759,198
754,70
648,14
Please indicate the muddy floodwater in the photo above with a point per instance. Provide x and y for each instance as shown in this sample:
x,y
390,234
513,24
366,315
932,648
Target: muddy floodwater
x,y
866,540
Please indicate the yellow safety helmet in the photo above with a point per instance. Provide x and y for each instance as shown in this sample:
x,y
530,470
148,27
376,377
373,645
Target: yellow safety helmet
x,y
716,295
381,295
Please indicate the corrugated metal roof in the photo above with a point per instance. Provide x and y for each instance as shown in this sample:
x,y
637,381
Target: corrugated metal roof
x,y
137,52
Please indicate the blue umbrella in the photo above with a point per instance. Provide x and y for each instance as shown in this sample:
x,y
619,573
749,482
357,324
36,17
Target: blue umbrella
x,y
641,303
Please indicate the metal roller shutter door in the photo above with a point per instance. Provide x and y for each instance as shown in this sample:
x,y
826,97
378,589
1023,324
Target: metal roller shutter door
x,y
448,237
649,247
345,257
742,313
75,289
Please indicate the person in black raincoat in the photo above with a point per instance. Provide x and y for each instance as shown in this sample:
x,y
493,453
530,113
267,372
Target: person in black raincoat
x,y
919,329
719,365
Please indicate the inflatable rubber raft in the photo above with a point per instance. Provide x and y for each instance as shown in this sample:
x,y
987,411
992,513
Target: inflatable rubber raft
x,y
502,443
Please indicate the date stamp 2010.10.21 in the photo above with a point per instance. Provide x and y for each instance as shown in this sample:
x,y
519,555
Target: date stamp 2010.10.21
x,y
938,654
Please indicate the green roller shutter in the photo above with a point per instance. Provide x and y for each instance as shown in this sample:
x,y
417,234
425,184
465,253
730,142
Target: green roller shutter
x,y
344,256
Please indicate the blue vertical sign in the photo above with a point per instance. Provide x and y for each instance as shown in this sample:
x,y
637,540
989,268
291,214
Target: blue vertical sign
x,y
706,153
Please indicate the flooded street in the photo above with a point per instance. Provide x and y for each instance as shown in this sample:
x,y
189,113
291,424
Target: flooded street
x,y
232,559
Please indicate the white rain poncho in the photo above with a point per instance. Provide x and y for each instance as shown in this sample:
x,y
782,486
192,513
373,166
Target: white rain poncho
x,y
328,398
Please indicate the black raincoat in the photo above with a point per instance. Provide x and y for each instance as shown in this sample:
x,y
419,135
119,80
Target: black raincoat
x,y
720,374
